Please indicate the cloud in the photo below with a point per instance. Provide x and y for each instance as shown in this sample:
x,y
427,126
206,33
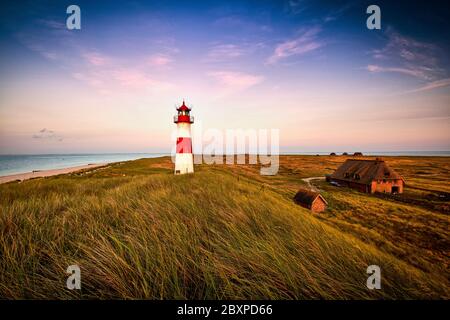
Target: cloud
x,y
236,80
94,79
412,72
243,24
225,51
109,74
95,58
413,58
296,6
167,45
334,15
47,134
121,79
43,34
409,56
131,78
34,44
306,42
228,21
52,24
433,85
159,60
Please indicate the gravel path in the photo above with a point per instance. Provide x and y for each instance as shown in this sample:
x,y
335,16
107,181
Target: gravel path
x,y
310,185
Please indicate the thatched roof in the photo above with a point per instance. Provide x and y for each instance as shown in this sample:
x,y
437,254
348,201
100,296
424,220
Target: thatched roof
x,y
365,171
307,197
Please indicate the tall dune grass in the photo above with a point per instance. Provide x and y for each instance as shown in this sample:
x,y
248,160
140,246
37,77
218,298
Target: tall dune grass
x,y
145,233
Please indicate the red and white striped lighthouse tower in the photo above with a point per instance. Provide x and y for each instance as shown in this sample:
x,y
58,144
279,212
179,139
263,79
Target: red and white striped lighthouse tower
x,y
184,160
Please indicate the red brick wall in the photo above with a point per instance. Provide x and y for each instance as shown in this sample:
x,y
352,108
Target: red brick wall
x,y
386,185
318,205
375,186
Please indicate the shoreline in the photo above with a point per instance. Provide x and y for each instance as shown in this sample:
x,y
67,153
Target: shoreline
x,y
48,173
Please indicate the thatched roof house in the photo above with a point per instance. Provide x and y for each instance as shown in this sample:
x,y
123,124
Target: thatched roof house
x,y
368,176
310,200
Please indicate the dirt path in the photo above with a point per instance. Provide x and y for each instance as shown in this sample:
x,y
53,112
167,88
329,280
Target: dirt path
x,y
310,185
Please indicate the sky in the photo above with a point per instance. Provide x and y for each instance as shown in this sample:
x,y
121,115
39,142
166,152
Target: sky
x,y
311,69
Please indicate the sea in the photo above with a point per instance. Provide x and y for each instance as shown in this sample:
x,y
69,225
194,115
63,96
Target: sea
x,y
14,164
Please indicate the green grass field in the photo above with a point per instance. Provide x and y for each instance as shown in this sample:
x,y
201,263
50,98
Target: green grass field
x,y
138,231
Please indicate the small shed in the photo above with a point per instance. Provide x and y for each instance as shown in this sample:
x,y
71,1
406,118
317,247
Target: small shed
x,y
311,200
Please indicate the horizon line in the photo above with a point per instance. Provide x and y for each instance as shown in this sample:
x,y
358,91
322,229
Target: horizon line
x,y
224,154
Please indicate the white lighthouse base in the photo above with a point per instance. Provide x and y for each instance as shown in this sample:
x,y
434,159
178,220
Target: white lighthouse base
x,y
184,163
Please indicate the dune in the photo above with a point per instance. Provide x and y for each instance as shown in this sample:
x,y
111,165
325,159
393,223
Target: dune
x,y
138,231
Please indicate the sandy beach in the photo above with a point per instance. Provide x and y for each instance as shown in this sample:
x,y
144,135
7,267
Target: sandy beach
x,y
47,173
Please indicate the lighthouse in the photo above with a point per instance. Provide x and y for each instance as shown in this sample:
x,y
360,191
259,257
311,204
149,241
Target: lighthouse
x,y
184,160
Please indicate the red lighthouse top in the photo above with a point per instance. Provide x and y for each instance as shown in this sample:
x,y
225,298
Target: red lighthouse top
x,y
183,115
183,107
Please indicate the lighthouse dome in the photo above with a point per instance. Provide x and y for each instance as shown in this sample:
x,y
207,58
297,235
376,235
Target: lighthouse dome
x,y
183,107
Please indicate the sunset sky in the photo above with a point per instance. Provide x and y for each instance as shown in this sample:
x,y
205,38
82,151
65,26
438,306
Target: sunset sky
x,y
308,68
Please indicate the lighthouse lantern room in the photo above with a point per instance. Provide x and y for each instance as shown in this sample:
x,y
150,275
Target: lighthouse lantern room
x,y
184,160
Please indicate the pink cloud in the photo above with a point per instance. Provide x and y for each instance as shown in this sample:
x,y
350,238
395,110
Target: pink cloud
x,y
411,72
159,60
302,44
236,80
121,80
95,58
225,51
93,79
433,85
131,78
411,57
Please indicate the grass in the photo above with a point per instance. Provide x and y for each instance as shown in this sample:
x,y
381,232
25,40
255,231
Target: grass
x,y
413,226
138,231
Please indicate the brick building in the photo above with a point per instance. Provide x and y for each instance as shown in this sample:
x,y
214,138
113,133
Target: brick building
x,y
368,176
310,200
